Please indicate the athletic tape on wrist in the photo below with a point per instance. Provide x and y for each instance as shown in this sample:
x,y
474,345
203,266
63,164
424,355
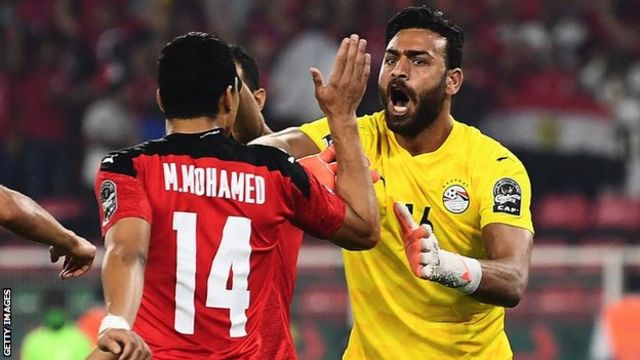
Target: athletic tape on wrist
x,y
113,322
475,270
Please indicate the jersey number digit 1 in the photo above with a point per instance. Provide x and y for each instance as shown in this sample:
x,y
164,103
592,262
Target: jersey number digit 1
x,y
425,215
233,254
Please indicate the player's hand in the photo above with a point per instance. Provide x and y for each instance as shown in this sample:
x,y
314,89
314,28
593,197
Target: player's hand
x,y
347,81
324,167
417,240
126,344
77,259
425,257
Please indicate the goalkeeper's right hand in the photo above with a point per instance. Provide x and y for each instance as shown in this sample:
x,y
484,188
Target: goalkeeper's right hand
x,y
324,167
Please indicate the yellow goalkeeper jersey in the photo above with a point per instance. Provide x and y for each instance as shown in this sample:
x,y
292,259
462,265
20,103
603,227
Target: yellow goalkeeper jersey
x,y
469,182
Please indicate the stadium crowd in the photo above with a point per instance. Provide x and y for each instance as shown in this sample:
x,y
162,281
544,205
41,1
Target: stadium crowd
x,y
77,79
558,82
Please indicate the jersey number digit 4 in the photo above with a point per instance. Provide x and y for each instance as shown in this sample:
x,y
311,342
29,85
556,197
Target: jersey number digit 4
x,y
233,255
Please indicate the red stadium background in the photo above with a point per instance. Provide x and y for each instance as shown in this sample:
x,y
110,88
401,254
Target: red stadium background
x,y
558,82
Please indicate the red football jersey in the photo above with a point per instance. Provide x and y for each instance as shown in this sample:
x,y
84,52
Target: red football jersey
x,y
218,210
276,325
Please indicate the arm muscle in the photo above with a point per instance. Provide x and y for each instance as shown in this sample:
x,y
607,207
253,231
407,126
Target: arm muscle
x,y
506,271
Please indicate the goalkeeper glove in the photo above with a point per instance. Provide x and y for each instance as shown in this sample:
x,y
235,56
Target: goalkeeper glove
x,y
429,262
324,167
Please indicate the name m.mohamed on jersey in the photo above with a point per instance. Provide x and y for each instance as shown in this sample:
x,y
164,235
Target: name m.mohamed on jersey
x,y
214,182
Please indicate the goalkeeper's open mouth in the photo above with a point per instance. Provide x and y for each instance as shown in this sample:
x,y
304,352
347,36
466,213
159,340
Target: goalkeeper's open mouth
x,y
399,100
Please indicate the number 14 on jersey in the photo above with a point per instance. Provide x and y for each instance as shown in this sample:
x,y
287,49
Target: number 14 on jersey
x,y
233,253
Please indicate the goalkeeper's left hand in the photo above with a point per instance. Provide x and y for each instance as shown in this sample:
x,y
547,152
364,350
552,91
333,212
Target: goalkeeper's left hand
x,y
429,262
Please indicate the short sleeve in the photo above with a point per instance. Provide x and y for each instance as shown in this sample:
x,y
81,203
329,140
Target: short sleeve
x,y
320,212
318,131
505,193
120,196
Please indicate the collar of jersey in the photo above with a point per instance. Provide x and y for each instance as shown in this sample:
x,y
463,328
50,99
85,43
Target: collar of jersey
x,y
201,134
440,152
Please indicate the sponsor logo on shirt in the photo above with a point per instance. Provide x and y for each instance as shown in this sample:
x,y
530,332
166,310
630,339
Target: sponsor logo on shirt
x,y
108,199
507,197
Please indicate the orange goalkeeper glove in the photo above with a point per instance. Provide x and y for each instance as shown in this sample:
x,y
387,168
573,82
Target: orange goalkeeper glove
x,y
324,167
429,262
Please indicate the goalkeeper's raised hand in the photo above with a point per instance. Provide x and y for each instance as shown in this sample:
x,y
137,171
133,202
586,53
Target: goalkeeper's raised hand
x,y
429,262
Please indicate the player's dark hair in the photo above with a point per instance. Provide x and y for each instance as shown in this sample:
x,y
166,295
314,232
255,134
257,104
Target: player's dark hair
x,y
249,67
194,70
422,17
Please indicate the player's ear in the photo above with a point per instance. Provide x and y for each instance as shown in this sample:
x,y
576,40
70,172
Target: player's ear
x,y
260,96
231,98
454,79
226,101
159,100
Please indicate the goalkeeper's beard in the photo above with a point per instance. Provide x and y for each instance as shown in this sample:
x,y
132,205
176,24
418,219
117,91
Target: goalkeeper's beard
x,y
428,106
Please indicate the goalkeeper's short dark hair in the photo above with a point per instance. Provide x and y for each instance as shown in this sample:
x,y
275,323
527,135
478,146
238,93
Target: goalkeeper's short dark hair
x,y
194,70
422,17
249,67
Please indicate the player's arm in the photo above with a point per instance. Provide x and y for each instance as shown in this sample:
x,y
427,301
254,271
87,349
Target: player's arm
x,y
250,123
23,216
499,280
339,100
505,273
292,140
127,246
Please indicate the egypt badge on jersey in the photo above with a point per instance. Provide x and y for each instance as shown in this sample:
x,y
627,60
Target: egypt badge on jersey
x,y
455,199
507,196
108,199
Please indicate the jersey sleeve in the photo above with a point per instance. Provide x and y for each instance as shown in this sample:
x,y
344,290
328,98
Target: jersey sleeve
x,y
120,194
304,201
505,193
314,208
318,131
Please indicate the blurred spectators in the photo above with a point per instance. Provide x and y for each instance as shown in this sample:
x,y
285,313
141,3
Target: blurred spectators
x,y
291,86
8,140
43,123
557,81
107,125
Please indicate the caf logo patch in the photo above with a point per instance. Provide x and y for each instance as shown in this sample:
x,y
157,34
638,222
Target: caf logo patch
x,y
507,197
108,199
455,199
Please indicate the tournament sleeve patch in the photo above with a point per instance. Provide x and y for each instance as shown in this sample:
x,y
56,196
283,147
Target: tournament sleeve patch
x,y
327,140
507,197
108,200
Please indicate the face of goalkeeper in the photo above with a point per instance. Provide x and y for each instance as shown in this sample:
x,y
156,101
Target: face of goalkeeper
x,y
412,84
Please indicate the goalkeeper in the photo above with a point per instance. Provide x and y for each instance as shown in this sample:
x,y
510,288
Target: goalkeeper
x,y
435,290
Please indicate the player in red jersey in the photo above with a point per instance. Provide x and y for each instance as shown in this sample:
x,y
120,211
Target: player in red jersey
x,y
191,221
275,326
